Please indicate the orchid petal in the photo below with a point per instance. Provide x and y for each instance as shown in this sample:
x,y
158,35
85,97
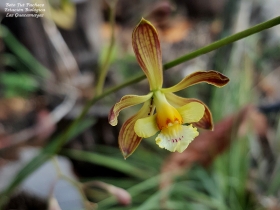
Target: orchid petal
x,y
146,47
211,77
206,122
191,112
128,139
125,102
176,137
146,127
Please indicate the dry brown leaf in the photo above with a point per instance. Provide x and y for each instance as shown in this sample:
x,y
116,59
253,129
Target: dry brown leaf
x,y
176,31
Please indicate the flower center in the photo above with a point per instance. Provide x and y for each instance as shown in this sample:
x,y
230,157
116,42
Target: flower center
x,y
167,115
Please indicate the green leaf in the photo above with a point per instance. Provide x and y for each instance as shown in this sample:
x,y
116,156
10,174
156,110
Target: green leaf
x,y
107,161
22,53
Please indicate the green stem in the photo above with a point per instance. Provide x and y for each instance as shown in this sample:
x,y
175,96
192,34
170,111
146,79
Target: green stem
x,y
56,166
77,185
105,65
73,182
56,144
225,41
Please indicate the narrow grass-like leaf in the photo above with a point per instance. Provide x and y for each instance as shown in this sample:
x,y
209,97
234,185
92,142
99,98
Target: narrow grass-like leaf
x,y
106,161
134,191
153,202
22,53
208,183
274,184
198,196
39,160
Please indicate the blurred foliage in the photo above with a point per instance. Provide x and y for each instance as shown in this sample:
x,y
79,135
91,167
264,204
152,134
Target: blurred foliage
x,y
21,55
63,13
18,84
225,185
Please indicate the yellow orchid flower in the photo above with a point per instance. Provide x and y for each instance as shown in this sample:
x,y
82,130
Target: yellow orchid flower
x,y
172,111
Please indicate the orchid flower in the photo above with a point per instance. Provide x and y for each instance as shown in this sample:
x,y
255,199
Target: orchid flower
x,y
174,117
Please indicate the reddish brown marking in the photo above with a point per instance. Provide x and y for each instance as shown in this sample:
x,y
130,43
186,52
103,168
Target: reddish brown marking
x,y
168,121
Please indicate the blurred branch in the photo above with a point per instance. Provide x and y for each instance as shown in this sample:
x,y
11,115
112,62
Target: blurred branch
x,y
45,123
73,182
65,59
122,196
105,65
135,190
225,41
36,162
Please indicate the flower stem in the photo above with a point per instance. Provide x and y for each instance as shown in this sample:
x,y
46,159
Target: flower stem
x,y
225,41
211,47
104,66
196,53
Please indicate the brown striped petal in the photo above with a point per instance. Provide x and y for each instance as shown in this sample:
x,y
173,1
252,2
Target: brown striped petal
x,y
125,102
147,50
211,77
206,122
128,139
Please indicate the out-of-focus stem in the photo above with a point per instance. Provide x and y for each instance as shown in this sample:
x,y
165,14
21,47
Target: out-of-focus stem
x,y
104,66
225,41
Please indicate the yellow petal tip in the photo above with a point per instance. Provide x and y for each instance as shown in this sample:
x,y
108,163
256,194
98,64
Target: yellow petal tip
x,y
143,20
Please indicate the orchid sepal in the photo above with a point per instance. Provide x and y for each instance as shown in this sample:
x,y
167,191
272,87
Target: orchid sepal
x,y
211,77
128,139
147,50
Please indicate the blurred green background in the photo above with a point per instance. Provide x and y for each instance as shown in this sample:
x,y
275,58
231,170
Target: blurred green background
x,y
49,69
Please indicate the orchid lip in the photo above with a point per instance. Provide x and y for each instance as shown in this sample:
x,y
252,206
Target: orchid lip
x,y
176,137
